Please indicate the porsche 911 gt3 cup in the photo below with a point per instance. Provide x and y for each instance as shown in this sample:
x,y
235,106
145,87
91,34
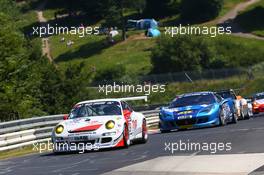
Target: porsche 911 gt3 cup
x,y
96,124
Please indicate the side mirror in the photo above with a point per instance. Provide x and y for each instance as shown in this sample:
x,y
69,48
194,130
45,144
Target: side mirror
x,y
224,101
66,117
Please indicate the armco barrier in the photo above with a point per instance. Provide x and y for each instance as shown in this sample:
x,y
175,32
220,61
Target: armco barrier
x,y
15,134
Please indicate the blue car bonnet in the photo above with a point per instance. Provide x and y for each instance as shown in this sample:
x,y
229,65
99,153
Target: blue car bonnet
x,y
187,110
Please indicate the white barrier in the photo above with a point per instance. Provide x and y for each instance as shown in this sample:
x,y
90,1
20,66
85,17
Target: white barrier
x,y
17,137
23,144
25,132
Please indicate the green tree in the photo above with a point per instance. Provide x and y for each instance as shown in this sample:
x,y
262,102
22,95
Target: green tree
x,y
161,8
17,81
74,86
111,74
139,5
9,8
182,53
200,10
112,12
29,84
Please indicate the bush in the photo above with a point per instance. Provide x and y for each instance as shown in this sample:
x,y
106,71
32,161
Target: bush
x,y
256,12
238,52
111,74
9,8
160,9
200,10
183,53
194,53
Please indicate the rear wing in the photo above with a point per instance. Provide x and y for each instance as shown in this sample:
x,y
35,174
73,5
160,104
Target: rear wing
x,y
145,98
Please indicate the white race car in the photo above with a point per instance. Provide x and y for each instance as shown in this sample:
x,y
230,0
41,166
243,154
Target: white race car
x,y
96,124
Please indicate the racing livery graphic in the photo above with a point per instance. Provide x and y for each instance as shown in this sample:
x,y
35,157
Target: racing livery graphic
x,y
196,110
97,124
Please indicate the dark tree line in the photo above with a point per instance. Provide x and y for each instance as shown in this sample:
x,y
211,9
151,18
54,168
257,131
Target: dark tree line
x,y
200,10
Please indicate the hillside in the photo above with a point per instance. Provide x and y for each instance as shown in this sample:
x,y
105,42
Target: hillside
x,y
134,54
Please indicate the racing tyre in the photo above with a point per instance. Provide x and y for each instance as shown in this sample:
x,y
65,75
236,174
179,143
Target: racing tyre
x,y
57,153
144,138
126,137
222,118
242,115
234,119
164,131
248,115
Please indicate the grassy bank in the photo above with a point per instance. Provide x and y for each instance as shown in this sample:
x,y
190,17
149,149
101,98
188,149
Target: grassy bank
x,y
135,53
246,88
17,152
97,54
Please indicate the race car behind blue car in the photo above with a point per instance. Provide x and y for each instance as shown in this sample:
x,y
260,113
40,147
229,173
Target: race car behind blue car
x,y
196,110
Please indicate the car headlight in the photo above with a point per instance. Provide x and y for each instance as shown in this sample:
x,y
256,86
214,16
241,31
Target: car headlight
x,y
207,109
110,124
255,103
59,129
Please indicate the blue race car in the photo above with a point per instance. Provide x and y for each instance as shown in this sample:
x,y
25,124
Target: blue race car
x,y
196,110
241,112
230,96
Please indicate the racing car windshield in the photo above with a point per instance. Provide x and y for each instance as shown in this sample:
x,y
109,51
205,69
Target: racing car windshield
x,y
193,100
96,109
259,97
226,95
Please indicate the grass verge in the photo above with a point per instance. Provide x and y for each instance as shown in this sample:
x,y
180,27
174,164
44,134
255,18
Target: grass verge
x,y
17,152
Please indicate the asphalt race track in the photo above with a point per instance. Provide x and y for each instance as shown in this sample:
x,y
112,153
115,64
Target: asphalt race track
x,y
247,138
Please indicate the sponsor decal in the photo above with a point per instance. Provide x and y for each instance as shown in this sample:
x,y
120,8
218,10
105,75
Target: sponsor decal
x,y
185,112
185,117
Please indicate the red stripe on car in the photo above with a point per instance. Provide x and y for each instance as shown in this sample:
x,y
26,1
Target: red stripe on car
x,y
88,128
